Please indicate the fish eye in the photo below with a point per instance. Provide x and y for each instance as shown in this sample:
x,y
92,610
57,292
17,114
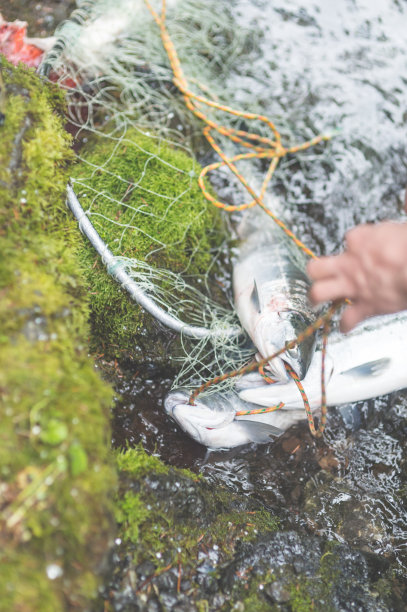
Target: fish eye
x,y
293,351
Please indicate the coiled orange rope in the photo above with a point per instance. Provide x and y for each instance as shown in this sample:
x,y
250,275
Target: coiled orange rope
x,y
260,147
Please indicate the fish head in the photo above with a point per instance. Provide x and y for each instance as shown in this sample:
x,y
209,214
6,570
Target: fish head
x,y
275,330
202,418
211,421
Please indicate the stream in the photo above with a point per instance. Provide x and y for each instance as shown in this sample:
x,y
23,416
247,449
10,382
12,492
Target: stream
x,y
318,66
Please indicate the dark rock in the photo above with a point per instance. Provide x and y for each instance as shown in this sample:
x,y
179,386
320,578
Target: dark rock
x,y
153,606
145,569
167,581
217,601
184,607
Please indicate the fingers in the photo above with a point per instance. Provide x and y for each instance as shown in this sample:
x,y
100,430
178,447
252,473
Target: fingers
x,y
356,236
322,267
332,278
371,272
331,289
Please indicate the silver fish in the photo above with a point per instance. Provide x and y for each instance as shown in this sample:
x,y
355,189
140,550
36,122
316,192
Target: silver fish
x,y
212,420
367,362
271,297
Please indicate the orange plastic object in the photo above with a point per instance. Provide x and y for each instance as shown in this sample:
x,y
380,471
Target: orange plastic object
x,y
14,46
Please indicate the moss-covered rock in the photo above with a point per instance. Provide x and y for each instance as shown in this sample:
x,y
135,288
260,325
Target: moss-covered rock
x,y
56,476
293,572
185,546
144,200
176,534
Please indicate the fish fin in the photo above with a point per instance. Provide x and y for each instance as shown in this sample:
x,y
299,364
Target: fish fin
x,y
255,297
369,368
260,432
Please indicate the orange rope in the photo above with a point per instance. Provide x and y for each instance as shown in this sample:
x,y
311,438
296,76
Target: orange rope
x,y
265,377
255,365
260,410
271,149
260,147
316,433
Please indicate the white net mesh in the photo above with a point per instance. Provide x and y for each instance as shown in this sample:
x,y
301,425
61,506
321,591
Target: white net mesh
x,y
134,181
114,53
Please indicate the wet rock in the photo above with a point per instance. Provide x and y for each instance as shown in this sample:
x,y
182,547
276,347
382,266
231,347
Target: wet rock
x,y
145,569
303,568
184,607
217,601
335,504
168,600
167,582
234,562
181,498
277,592
183,531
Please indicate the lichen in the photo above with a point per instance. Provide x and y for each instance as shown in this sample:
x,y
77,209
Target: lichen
x,y
56,477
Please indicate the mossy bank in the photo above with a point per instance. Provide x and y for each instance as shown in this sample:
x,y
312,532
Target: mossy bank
x,y
57,474
176,535
57,478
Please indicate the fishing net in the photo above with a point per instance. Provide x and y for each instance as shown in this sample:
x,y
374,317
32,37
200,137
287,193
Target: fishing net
x,y
113,54
144,78
136,181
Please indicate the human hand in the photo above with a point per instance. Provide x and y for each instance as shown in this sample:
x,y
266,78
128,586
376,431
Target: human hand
x,y
372,273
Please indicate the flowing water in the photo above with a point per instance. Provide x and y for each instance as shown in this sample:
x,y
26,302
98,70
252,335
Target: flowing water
x,y
316,66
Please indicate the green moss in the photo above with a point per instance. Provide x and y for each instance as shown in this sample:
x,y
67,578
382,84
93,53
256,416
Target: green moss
x,y
136,462
254,604
34,593
243,525
301,600
131,513
316,594
163,216
56,474
166,515
146,204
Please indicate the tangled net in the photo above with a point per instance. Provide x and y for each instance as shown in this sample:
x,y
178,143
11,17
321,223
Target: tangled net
x,y
110,56
135,81
122,103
